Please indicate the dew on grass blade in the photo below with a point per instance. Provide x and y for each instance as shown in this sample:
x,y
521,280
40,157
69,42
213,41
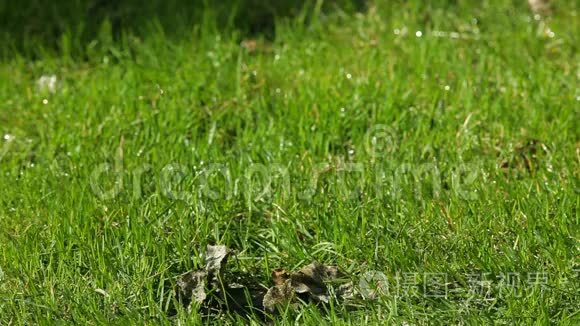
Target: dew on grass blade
x,y
161,91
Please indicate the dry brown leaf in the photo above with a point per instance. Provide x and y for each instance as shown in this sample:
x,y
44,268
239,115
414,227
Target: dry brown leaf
x,y
311,279
253,46
215,258
277,295
279,276
192,287
249,45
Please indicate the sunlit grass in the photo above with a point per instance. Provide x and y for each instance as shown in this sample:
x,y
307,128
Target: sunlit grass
x,y
406,140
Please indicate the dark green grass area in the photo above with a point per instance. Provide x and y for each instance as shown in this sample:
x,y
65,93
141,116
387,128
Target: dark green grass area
x,y
436,144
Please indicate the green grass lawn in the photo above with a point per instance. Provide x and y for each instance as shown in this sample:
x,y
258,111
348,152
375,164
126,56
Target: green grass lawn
x,y
437,145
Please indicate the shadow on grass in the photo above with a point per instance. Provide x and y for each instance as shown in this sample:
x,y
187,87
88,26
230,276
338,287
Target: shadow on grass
x,y
31,26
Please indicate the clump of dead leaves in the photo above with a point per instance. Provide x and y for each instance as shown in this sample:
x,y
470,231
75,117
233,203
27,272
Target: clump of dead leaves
x,y
210,290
